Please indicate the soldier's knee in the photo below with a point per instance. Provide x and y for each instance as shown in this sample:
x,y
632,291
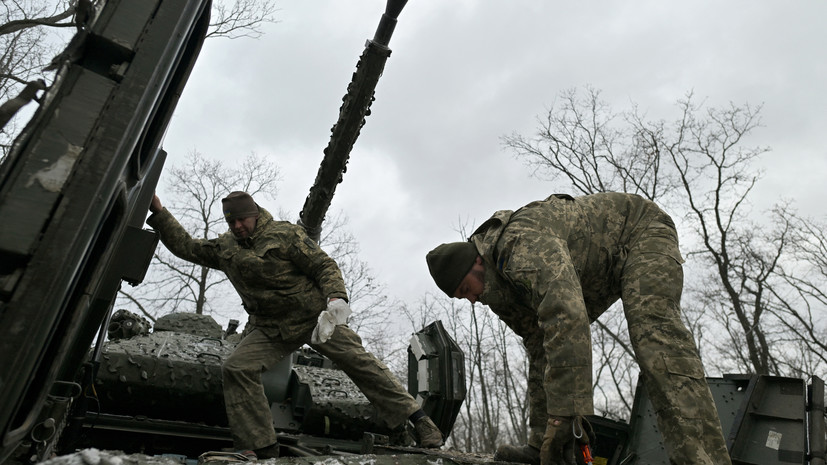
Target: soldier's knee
x,y
233,368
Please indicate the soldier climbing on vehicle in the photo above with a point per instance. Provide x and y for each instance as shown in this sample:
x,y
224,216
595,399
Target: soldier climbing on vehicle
x,y
294,294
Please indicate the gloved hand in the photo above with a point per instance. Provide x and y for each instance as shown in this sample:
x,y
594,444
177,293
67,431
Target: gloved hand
x,y
563,440
336,314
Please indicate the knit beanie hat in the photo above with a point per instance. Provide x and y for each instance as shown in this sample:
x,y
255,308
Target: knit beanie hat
x,y
238,205
449,263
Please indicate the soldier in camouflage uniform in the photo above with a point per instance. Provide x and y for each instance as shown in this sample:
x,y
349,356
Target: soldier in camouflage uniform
x,y
551,268
294,295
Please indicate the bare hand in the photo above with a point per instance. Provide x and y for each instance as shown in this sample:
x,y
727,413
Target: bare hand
x,y
155,206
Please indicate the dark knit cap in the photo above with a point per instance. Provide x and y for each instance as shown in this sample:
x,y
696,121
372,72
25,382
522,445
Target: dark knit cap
x,y
238,205
449,263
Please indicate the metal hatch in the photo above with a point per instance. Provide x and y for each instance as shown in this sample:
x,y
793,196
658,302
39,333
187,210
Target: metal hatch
x,y
436,375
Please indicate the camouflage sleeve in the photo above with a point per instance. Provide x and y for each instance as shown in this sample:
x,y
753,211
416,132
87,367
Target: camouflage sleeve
x,y
199,251
306,254
540,268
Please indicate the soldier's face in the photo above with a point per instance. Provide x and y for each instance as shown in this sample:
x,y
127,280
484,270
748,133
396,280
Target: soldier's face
x,y
473,284
243,228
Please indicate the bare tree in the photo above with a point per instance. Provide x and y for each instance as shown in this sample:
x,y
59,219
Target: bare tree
x,y
716,175
511,391
33,31
614,362
801,299
29,30
24,34
240,18
583,141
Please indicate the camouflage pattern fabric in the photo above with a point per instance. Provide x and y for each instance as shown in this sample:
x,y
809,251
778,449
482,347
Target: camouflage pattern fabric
x,y
284,280
554,266
247,408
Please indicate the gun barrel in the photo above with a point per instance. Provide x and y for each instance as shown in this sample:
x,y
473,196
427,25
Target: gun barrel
x,y
388,21
355,107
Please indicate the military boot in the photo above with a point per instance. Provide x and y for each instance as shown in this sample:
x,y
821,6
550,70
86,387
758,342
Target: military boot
x,y
429,435
269,452
225,458
518,454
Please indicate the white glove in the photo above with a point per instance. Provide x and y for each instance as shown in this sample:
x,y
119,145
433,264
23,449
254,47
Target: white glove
x,y
336,314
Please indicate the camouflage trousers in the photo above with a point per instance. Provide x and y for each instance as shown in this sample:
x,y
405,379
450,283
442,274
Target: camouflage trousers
x,y
248,410
672,373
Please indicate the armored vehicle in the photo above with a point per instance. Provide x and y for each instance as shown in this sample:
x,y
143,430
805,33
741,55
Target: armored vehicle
x,y
160,392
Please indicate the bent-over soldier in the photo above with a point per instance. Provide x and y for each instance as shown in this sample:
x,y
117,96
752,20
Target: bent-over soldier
x,y
551,268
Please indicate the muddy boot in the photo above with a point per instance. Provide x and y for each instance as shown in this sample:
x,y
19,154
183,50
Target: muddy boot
x,y
214,457
269,452
429,435
518,454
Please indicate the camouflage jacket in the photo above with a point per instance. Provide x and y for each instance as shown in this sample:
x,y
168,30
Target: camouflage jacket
x,y
283,277
557,264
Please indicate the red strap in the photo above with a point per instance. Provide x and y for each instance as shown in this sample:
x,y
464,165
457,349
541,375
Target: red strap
x,y
587,453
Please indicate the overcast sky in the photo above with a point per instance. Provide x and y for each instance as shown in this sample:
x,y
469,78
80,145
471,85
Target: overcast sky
x,y
464,73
